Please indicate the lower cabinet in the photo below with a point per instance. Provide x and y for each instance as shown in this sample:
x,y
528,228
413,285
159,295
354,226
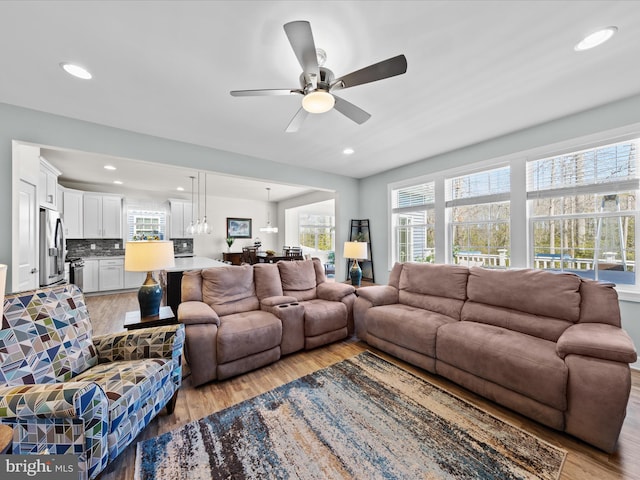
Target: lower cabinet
x,y
134,279
91,277
111,274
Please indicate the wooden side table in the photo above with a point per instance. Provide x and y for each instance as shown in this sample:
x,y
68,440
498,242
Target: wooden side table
x,y
6,438
133,321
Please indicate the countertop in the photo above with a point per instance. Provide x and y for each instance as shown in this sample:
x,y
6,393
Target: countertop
x,y
194,263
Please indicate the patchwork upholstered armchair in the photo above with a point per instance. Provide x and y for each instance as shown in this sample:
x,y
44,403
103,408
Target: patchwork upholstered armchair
x,y
66,392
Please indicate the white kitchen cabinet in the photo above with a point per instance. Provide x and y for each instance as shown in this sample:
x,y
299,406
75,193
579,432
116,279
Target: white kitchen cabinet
x,y
91,276
102,215
48,185
111,274
180,218
72,208
134,279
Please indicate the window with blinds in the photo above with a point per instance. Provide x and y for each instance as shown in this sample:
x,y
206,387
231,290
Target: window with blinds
x,y
583,212
478,206
413,217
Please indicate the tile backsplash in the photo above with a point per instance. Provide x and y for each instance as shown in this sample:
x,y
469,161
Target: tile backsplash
x,y
104,247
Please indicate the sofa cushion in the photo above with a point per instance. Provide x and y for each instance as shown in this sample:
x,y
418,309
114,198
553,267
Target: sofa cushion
x,y
229,289
543,327
406,326
449,281
244,334
297,275
47,336
555,295
128,384
322,316
519,362
599,303
267,279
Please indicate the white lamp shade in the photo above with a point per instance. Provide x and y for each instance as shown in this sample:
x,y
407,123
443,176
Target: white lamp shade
x,y
356,250
148,256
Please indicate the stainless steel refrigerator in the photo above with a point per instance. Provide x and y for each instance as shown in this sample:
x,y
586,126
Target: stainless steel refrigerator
x,y
52,248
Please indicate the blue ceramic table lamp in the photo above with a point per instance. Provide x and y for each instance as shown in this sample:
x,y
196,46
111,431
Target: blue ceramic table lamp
x,y
355,250
149,256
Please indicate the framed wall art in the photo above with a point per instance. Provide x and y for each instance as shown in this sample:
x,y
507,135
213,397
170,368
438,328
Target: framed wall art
x,y
238,227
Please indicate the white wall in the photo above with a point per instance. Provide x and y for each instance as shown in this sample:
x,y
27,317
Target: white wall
x,y
623,115
218,209
55,131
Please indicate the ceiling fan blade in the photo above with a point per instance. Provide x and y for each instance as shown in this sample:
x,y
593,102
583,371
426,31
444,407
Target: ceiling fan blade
x,y
301,40
263,93
378,71
349,110
296,121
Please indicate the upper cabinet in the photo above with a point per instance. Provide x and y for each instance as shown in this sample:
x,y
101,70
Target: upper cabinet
x,y
72,207
181,211
48,185
102,215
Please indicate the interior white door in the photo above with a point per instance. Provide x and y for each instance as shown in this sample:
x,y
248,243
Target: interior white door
x,y
28,234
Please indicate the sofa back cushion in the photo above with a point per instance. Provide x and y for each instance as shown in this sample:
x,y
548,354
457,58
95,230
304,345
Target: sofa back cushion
x,y
298,279
229,289
45,337
267,279
599,303
440,288
547,294
191,286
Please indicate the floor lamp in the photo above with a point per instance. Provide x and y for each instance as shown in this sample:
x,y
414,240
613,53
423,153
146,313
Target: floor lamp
x,y
149,256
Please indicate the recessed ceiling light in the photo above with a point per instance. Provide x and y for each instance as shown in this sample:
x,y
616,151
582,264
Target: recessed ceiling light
x,y
348,151
117,182
595,39
76,71
180,189
109,167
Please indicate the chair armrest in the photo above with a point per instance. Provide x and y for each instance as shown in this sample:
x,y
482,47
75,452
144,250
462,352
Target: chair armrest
x,y
54,400
379,294
277,300
156,342
597,340
194,312
334,292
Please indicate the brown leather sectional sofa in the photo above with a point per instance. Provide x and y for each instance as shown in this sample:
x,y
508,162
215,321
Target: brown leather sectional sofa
x,y
239,318
547,345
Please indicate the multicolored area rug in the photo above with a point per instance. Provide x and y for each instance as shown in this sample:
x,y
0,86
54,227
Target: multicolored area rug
x,y
361,418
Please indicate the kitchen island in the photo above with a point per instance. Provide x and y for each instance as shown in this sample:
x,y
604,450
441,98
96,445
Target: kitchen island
x,y
174,276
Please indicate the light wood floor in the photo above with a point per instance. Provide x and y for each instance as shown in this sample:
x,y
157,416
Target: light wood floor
x,y
583,462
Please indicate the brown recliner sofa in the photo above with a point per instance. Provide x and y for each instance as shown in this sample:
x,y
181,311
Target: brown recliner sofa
x,y
547,345
239,318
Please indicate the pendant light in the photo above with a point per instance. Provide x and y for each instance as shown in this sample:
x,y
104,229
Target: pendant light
x,y
269,228
206,228
191,229
198,226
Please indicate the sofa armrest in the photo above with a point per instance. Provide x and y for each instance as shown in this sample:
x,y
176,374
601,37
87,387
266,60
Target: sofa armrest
x,y
276,300
597,340
53,400
156,342
379,294
190,313
334,292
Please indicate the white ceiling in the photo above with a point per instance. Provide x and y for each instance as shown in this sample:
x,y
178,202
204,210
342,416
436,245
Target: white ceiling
x,y
476,70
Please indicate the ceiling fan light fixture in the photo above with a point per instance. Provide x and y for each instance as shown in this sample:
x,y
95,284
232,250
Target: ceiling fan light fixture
x,y
318,101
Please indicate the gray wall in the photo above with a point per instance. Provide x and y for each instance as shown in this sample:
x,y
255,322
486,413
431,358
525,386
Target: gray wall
x,y
51,130
373,190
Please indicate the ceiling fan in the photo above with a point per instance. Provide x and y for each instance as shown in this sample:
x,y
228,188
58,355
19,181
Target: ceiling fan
x,y
318,83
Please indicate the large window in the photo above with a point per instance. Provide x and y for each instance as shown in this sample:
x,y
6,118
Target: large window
x,y
316,234
583,212
414,223
478,209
